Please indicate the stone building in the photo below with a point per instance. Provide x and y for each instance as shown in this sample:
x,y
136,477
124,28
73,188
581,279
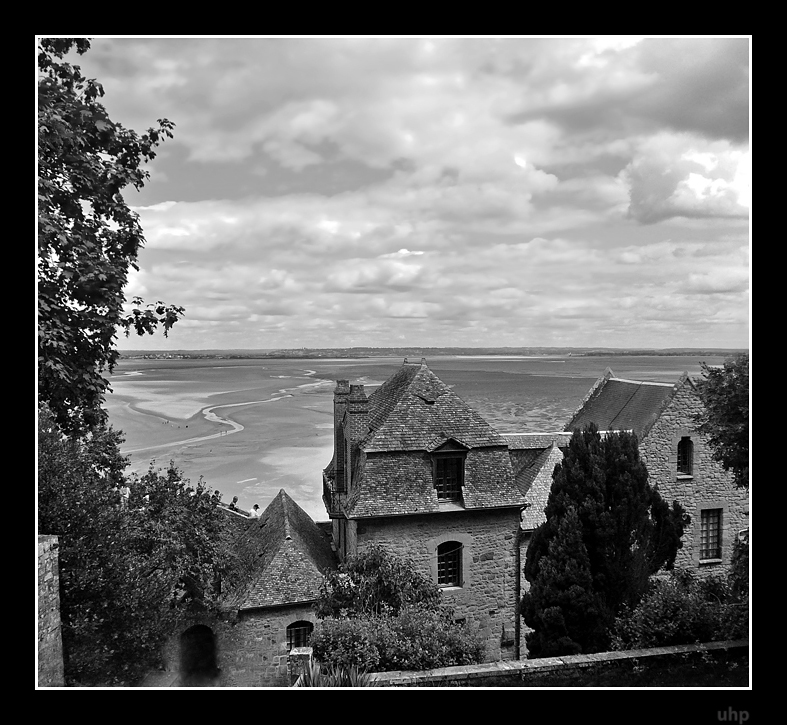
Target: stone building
x,y
267,619
679,461
418,471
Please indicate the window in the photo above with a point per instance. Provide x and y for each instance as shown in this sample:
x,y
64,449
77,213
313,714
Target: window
x,y
449,564
685,456
710,534
299,634
448,477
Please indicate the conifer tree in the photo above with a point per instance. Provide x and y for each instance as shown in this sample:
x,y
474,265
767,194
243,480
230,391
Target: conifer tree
x,y
606,532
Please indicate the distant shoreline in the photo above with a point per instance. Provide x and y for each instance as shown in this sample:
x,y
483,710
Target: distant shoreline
x,y
372,353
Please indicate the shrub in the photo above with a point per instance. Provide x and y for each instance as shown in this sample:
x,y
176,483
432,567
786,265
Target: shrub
x,y
417,638
682,609
334,676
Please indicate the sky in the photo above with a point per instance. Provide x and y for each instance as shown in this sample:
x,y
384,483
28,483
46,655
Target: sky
x,y
440,191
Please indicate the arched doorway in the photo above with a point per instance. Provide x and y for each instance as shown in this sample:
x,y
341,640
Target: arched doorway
x,y
198,657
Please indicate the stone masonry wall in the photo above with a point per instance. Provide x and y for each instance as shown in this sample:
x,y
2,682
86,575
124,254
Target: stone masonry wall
x,y
709,486
487,600
50,643
251,649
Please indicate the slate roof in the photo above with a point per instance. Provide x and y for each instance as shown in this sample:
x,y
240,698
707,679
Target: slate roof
x,y
287,554
410,415
414,408
619,404
536,482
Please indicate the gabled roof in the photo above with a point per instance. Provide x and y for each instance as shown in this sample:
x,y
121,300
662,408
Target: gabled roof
x,y
287,554
619,404
413,415
536,482
415,410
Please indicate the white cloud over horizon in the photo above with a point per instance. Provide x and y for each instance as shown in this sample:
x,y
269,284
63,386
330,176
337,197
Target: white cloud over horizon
x,y
441,191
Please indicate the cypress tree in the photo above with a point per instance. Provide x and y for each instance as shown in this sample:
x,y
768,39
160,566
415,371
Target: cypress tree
x,y
606,532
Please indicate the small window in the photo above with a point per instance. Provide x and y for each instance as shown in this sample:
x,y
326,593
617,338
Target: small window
x,y
299,634
448,477
449,564
685,457
710,534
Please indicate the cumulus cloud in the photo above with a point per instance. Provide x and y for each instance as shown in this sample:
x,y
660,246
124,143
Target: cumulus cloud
x,y
441,190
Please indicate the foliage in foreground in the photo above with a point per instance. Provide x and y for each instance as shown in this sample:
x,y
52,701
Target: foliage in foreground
x,y
378,612
725,417
334,676
374,582
88,236
682,608
606,532
416,638
128,571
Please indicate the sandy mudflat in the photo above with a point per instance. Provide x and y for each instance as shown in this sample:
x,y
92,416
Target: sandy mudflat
x,y
259,441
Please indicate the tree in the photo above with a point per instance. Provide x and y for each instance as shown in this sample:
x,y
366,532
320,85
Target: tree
x,y
374,582
378,612
725,417
606,532
88,237
129,569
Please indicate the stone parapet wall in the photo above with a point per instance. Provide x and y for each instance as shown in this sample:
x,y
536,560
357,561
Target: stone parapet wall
x,y
569,671
50,643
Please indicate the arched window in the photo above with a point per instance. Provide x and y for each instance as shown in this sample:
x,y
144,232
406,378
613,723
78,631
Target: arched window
x,y
299,634
449,564
685,456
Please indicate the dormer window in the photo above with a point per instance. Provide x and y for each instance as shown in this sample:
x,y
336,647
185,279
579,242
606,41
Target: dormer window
x,y
685,457
448,470
448,476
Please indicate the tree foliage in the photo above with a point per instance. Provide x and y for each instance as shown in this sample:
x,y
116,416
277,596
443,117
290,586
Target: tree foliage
x,y
88,237
129,569
416,638
374,582
683,609
378,612
725,417
606,532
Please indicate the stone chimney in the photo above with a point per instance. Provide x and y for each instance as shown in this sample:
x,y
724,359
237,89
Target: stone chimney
x,y
356,428
340,394
358,413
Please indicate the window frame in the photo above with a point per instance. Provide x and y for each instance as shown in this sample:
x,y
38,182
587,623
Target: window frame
x,y
448,476
711,532
294,637
450,564
685,456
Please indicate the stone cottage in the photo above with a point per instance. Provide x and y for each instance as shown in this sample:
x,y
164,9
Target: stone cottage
x,y
418,471
267,619
679,461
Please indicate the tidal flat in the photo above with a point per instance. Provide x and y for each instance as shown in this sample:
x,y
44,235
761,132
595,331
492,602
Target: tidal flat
x,y
250,427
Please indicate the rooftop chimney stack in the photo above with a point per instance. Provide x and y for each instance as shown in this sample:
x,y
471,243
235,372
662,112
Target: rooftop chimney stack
x,y
340,395
357,413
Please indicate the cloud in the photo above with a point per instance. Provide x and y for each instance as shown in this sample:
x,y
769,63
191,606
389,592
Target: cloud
x,y
441,190
680,175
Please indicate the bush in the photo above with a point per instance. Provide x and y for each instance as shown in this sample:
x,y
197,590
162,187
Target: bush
x,y
682,609
417,638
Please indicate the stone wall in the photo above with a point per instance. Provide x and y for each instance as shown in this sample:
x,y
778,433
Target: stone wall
x,y
487,600
709,486
251,648
605,669
50,643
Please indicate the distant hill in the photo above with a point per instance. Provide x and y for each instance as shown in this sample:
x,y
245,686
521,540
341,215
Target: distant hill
x,y
368,352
